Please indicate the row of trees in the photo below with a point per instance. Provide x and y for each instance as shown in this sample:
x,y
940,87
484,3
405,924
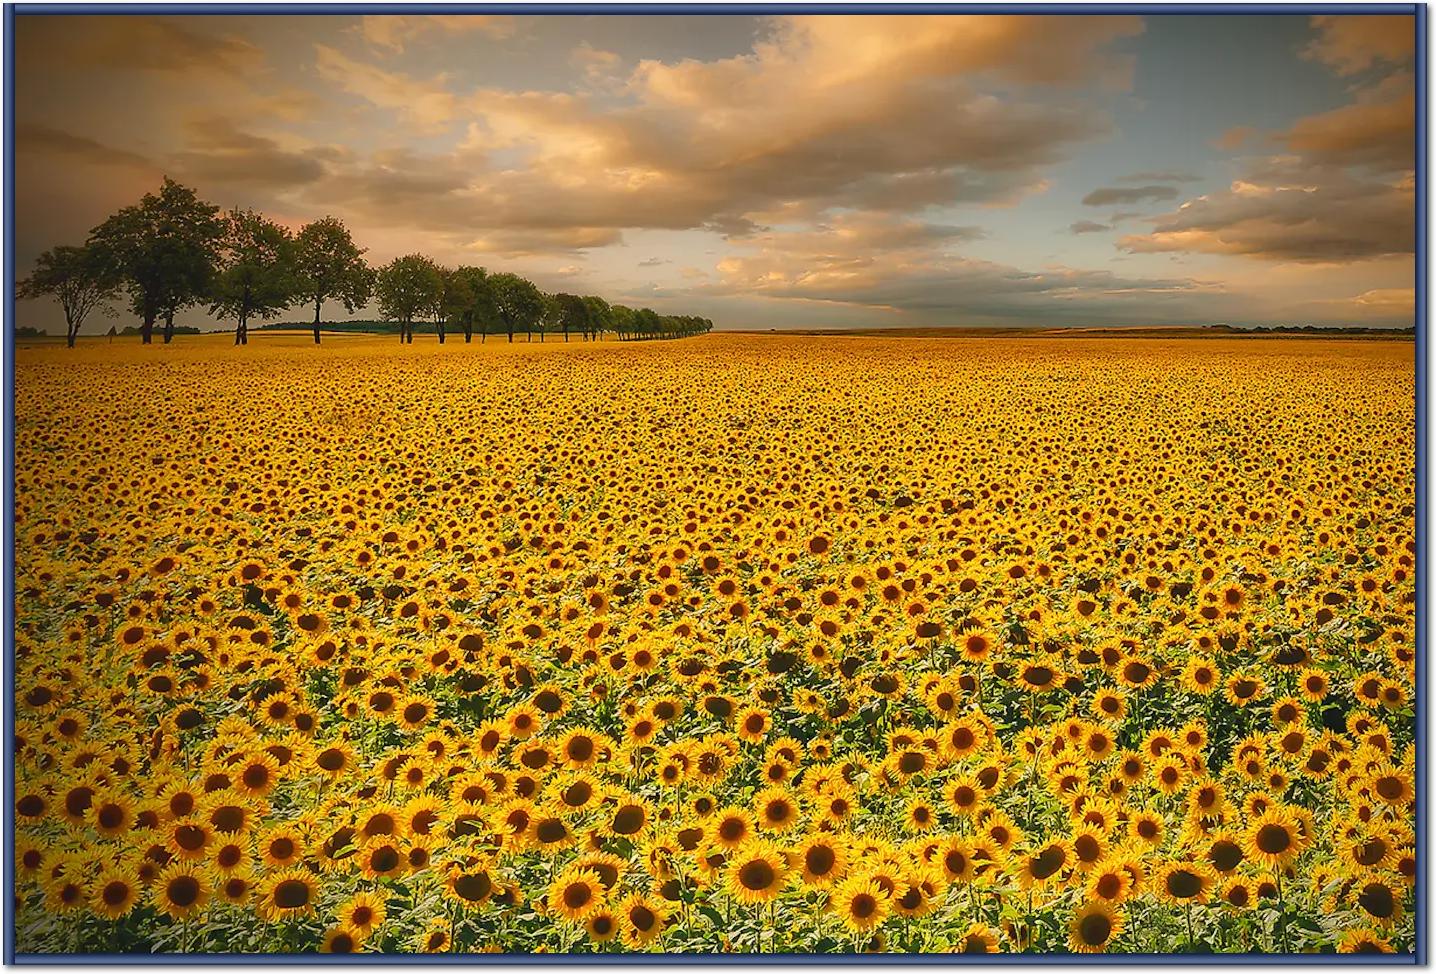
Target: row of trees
x,y
172,251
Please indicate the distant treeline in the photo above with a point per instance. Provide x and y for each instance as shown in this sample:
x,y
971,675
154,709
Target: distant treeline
x,y
172,251
1311,330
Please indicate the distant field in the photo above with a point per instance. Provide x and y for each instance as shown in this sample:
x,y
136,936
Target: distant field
x,y
742,642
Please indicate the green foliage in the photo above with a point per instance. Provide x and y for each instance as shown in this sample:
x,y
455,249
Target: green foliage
x,y
257,275
78,277
408,287
329,267
519,303
164,249
469,300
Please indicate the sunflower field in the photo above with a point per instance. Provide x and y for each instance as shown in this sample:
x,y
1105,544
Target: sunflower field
x,y
740,643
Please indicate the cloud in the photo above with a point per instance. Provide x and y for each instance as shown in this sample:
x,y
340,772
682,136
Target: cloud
x,y
1288,210
33,137
1108,195
878,112
597,65
1163,176
160,45
1344,189
427,104
907,268
392,33
1087,226
1352,43
1388,301
217,151
529,242
1235,137
1377,130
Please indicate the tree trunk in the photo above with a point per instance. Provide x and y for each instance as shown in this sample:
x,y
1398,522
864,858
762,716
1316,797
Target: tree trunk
x,y
511,335
468,332
72,328
317,306
169,326
439,327
241,331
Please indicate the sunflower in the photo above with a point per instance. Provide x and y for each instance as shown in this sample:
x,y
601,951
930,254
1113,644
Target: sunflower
x,y
642,919
339,940
112,814
114,894
730,828
860,903
776,810
1109,882
469,884
576,893
1363,941
286,893
756,873
363,913
1272,839
282,846
821,859
235,888
1147,828
1379,897
964,795
1094,926
434,938
1224,853
180,891
601,925
1039,675
977,939
1244,689
1182,882
1045,865
1392,786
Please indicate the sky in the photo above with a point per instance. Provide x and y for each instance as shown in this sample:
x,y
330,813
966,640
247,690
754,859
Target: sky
x,y
774,171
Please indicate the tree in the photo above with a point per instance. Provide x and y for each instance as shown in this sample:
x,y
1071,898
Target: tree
x,y
78,277
257,273
331,268
623,321
164,250
408,287
518,302
600,317
648,323
572,313
469,300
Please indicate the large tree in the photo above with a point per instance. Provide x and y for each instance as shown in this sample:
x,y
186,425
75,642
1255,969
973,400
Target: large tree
x,y
600,317
408,287
78,277
469,301
624,321
572,313
331,268
519,303
164,250
256,277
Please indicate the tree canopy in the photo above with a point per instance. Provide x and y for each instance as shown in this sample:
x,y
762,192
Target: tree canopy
x,y
172,250
78,277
